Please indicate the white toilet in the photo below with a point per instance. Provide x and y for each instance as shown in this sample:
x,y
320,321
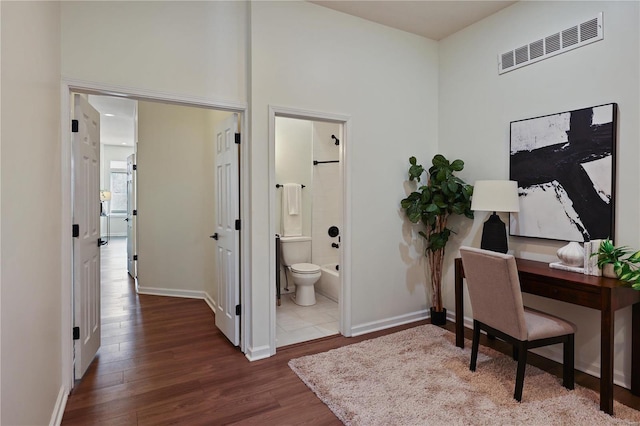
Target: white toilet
x,y
296,255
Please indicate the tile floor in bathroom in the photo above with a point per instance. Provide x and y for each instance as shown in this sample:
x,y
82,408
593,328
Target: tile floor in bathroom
x,y
296,324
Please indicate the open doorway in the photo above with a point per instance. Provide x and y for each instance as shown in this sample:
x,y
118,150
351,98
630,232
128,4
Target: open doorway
x,y
176,205
118,134
311,231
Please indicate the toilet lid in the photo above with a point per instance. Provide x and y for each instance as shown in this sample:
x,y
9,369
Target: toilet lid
x,y
305,268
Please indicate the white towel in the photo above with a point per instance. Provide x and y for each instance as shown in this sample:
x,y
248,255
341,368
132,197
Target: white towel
x,y
294,197
292,209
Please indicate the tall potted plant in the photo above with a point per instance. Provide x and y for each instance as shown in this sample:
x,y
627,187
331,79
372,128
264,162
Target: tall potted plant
x,y
432,204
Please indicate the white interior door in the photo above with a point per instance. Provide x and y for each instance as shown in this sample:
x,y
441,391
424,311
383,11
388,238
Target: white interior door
x,y
226,235
131,217
86,246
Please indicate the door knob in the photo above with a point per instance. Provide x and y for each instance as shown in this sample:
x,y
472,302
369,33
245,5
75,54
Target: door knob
x,y
214,236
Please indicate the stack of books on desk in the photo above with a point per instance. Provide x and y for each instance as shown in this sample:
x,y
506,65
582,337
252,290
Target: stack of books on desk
x,y
591,262
562,266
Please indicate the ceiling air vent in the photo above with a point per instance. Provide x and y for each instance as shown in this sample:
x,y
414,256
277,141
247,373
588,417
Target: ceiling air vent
x,y
536,49
589,29
552,43
568,39
522,55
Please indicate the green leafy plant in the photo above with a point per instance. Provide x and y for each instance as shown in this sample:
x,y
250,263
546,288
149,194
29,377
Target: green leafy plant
x,y
432,204
624,260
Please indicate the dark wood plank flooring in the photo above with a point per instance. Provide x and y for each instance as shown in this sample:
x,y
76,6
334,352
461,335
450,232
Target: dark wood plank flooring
x,y
163,361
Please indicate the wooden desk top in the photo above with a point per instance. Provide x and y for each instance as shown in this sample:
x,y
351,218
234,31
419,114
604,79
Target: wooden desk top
x,y
585,290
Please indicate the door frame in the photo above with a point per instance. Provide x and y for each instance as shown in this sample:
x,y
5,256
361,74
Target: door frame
x,y
344,302
66,250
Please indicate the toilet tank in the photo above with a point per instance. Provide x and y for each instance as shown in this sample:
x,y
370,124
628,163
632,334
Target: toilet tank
x,y
295,250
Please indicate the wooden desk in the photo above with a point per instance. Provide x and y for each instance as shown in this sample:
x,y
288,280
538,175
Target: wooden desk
x,y
604,294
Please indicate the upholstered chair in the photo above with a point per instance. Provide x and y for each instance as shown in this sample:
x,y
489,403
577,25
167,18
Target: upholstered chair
x,y
496,301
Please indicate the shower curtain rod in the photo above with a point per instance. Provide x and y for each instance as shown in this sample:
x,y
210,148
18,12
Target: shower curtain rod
x,y
325,162
280,186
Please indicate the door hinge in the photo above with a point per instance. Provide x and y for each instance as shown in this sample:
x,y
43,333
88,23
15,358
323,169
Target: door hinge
x,y
76,333
75,230
135,212
135,167
238,310
237,224
135,257
74,126
238,138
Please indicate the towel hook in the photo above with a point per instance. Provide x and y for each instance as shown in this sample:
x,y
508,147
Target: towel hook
x,y
336,139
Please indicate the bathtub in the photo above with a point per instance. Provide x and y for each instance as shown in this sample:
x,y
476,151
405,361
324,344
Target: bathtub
x,y
329,283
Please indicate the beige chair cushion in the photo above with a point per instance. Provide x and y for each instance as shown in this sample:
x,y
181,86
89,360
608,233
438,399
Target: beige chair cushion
x,y
541,325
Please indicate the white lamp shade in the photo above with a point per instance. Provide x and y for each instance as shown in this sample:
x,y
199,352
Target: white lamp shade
x,y
495,196
105,195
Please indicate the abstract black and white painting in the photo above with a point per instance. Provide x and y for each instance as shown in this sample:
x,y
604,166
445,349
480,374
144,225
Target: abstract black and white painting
x,y
565,168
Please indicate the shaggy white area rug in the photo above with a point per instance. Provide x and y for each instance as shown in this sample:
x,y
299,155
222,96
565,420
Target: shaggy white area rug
x,y
419,377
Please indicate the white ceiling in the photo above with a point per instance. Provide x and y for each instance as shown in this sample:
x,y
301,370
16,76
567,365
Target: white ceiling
x,y
432,19
117,119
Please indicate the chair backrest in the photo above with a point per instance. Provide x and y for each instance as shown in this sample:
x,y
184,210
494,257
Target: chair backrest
x,y
494,290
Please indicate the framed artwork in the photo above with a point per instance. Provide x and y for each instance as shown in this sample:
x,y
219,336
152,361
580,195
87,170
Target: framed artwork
x,y
564,164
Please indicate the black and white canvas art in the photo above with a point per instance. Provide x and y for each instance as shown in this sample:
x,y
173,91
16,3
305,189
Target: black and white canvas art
x,y
565,168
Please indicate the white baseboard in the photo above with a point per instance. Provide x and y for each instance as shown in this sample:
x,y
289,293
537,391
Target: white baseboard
x,y
389,322
261,352
210,302
554,353
154,291
58,409
252,354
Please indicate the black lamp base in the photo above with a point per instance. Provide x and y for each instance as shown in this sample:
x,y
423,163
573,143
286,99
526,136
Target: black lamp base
x,y
494,235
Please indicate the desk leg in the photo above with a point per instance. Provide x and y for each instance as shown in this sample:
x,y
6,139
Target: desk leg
x,y
459,304
607,317
635,349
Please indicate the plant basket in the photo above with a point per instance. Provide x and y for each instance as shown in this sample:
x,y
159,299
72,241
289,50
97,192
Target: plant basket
x,y
438,318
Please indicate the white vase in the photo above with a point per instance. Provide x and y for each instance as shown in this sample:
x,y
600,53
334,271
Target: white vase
x,y
572,254
608,270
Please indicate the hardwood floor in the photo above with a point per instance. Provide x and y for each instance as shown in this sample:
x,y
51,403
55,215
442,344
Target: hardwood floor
x,y
163,361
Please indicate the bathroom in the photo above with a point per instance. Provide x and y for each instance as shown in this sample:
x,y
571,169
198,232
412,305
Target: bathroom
x,y
309,185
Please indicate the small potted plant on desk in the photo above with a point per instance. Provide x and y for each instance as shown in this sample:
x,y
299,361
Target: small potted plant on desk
x,y
432,204
614,264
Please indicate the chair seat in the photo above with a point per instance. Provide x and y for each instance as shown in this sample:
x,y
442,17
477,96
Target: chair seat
x,y
541,325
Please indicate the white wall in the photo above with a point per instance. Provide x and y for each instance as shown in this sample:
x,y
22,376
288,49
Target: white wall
x,y
477,105
309,57
184,47
294,153
31,213
175,199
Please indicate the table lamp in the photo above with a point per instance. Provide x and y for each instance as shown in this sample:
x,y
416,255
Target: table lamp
x,y
495,196
104,196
